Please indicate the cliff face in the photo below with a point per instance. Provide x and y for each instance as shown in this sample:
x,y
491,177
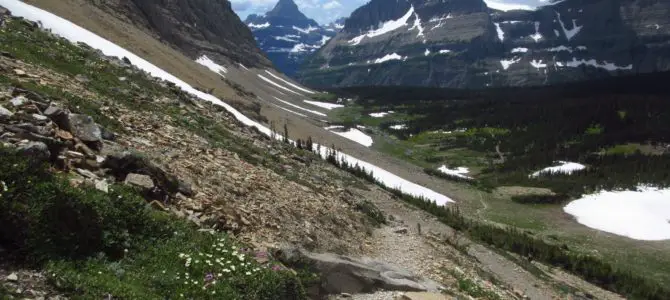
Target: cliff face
x,y
463,43
195,27
287,36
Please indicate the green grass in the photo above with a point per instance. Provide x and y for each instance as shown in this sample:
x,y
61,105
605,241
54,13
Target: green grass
x,y
471,288
626,149
96,245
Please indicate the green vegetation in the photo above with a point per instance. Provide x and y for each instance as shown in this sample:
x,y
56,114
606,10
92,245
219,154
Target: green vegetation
x,y
540,199
97,245
471,288
325,97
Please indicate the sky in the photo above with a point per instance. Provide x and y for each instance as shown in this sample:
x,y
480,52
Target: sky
x,y
326,11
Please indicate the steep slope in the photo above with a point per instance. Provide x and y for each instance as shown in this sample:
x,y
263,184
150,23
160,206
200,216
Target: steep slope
x,y
287,36
195,27
461,43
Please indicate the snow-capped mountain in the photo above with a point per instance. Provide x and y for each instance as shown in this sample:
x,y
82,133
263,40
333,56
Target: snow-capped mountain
x,y
287,36
465,43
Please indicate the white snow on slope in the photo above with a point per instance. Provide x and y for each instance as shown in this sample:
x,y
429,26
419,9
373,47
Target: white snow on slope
x,y
564,167
243,67
458,172
537,36
417,25
305,30
291,111
285,38
444,51
560,48
642,215
278,85
426,53
210,64
75,34
592,62
399,127
297,48
325,105
537,64
569,33
507,6
324,40
301,108
501,33
258,26
289,83
520,50
380,114
353,134
506,63
387,27
388,57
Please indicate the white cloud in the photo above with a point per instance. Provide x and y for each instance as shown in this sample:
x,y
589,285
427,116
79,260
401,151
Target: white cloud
x,y
331,5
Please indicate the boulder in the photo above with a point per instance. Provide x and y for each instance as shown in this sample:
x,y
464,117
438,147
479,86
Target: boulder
x,y
13,277
19,101
35,150
5,113
83,127
139,180
58,116
342,274
123,164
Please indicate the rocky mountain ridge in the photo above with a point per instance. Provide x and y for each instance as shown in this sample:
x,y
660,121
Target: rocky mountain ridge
x,y
462,43
287,36
195,27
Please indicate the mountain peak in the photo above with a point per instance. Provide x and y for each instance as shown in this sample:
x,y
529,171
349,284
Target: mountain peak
x,y
286,9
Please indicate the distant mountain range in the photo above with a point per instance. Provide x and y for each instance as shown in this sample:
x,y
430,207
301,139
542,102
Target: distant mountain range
x,y
465,43
287,36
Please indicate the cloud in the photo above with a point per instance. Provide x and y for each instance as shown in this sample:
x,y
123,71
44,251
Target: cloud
x,y
332,5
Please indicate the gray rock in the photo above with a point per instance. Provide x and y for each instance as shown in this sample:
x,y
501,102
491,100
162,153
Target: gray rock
x,y
400,230
39,117
35,150
58,116
342,274
19,101
83,127
102,185
86,173
5,113
13,277
139,180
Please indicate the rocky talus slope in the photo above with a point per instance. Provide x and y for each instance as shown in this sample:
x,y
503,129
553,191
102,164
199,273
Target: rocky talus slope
x,y
195,27
463,43
287,36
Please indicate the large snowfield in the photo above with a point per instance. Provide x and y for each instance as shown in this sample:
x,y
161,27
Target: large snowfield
x,y
642,215
75,34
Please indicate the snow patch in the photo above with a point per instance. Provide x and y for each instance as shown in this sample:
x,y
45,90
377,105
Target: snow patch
x,y
507,6
387,27
537,36
501,33
243,67
289,83
285,38
592,62
538,64
277,85
326,105
399,127
75,34
306,30
380,114
291,111
520,50
417,25
302,108
564,167
389,57
210,64
426,53
258,26
445,51
569,33
352,134
643,214
458,172
506,63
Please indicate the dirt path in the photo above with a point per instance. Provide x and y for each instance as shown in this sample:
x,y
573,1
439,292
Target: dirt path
x,y
428,255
